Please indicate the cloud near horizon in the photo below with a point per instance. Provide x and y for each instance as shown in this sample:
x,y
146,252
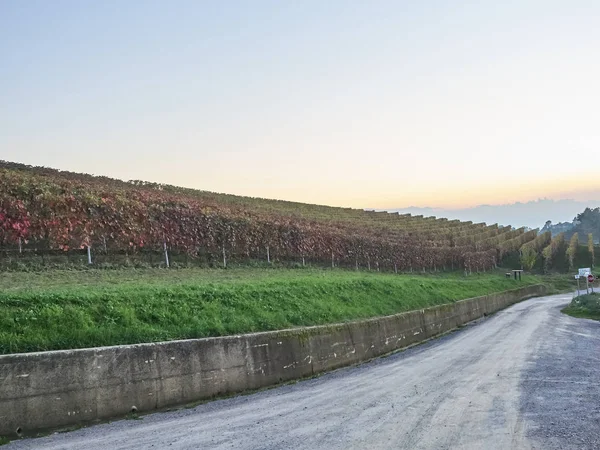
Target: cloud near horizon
x,y
455,197
533,214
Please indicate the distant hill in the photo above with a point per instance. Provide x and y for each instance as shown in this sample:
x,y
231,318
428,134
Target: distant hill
x,y
533,214
586,223
558,228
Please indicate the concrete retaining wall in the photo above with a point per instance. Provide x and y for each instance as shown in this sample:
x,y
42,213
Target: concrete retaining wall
x,y
60,388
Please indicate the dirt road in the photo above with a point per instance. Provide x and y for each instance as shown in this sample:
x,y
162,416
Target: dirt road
x,y
526,378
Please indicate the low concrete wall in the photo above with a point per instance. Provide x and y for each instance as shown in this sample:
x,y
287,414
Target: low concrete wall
x,y
60,388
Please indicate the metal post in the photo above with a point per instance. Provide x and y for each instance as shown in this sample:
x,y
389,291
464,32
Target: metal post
x,y
89,253
587,285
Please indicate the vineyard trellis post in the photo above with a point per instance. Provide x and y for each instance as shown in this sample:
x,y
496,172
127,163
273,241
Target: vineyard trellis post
x,y
131,219
166,254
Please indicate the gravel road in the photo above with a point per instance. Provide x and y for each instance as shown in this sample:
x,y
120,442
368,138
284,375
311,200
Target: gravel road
x,y
527,377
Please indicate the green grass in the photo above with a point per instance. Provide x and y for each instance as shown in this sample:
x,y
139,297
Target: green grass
x,y
76,309
584,306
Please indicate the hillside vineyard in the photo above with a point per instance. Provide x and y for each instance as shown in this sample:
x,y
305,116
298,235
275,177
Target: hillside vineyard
x,y
44,210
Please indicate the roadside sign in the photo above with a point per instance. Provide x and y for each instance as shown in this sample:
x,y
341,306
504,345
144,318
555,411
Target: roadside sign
x,y
590,278
577,277
585,272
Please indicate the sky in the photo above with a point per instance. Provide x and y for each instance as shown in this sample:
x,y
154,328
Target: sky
x,y
532,214
381,104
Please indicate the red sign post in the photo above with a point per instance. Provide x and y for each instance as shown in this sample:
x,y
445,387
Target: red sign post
x,y
590,278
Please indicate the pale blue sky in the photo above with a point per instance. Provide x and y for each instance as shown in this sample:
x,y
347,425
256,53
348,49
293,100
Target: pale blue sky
x,y
373,104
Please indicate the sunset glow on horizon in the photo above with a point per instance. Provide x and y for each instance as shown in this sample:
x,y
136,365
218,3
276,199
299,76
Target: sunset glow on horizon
x,y
346,104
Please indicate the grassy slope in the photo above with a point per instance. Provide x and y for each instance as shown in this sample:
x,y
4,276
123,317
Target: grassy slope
x,y
75,309
585,306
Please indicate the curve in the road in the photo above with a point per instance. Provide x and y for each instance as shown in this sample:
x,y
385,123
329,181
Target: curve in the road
x,y
526,377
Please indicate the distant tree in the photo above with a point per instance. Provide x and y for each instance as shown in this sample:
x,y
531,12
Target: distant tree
x,y
572,250
551,252
588,222
528,257
556,229
589,217
530,251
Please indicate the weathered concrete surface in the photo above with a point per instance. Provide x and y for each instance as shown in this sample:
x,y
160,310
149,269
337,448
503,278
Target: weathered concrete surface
x,y
55,389
524,378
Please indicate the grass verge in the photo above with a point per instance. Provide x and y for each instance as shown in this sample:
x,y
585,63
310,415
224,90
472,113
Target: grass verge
x,y
584,306
77,309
